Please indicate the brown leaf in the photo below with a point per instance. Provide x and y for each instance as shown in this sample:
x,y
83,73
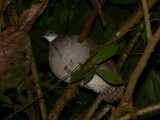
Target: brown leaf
x,y
12,37
1,4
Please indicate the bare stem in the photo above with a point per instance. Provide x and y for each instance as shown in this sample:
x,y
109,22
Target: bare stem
x,y
38,90
147,20
142,111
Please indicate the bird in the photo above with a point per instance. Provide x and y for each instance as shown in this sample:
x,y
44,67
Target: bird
x,y
66,55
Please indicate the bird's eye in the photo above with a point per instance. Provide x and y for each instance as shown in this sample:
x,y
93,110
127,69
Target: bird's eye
x,y
51,32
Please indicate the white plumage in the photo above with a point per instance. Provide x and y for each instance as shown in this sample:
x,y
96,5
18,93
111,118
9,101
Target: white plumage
x,y
66,55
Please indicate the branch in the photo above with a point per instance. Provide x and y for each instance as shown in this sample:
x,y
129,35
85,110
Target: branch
x,y
142,63
101,112
89,22
32,101
12,37
147,21
62,101
97,6
143,111
14,18
130,23
38,90
129,47
93,107
136,73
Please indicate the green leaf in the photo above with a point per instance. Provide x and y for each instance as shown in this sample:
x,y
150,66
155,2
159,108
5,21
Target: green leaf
x,y
88,76
144,36
76,76
46,85
124,2
17,73
40,74
49,74
75,5
5,99
24,86
64,16
109,76
106,53
7,105
156,13
147,92
122,45
22,100
20,7
20,86
71,14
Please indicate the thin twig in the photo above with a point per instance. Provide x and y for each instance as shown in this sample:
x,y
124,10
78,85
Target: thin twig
x,y
97,6
101,112
130,23
34,100
14,19
22,102
38,91
135,74
123,30
143,111
147,20
89,22
129,47
93,107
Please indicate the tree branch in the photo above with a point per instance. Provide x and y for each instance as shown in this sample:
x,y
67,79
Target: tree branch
x,y
89,22
93,107
135,74
122,30
147,20
129,47
143,111
130,23
38,90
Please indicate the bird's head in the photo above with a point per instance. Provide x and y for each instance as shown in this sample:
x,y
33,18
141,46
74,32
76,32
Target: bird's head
x,y
50,35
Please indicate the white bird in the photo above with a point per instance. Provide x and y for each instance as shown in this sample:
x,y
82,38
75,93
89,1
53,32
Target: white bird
x,y
66,55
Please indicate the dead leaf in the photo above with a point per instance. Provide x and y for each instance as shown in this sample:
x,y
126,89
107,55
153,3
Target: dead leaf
x,y
12,37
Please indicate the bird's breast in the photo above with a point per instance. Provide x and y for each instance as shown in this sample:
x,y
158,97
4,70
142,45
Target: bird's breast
x,y
66,55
